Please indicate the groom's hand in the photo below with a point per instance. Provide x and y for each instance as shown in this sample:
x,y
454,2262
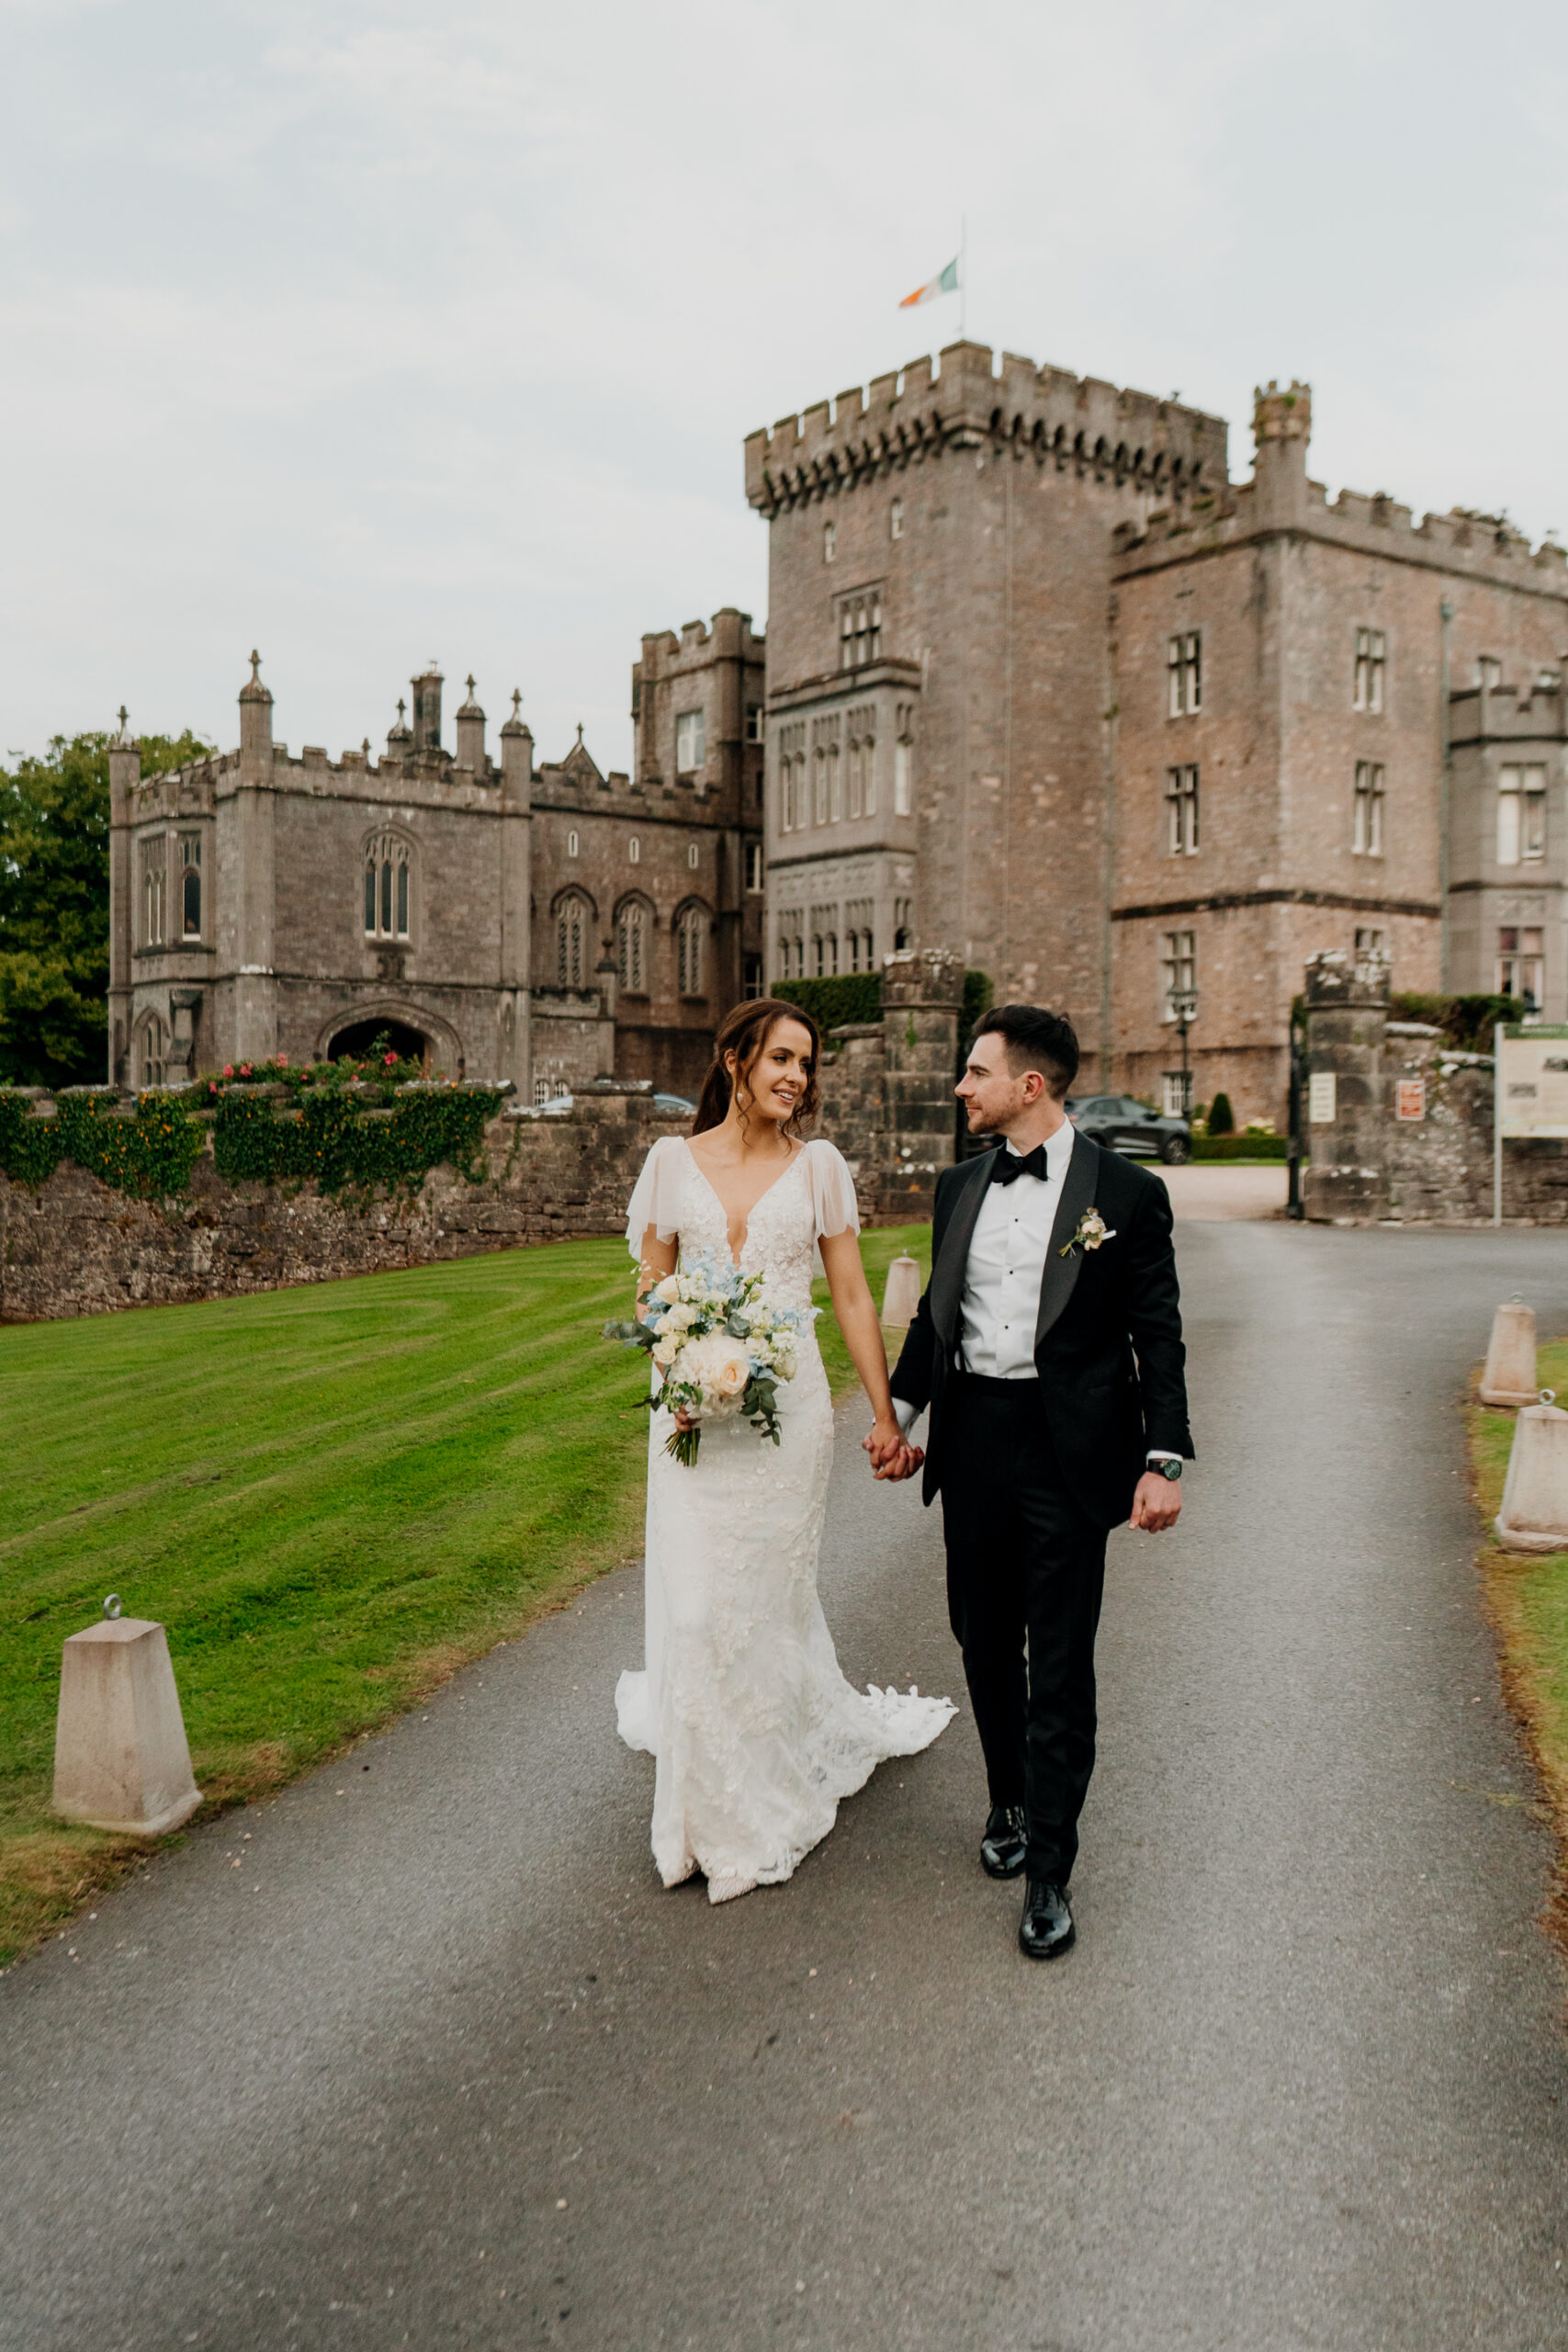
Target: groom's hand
x,y
1156,1504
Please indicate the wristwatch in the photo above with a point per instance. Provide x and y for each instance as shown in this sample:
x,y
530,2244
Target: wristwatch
x,y
1169,1468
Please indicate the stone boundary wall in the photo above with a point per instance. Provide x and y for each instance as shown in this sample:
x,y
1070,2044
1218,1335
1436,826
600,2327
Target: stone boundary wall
x,y
77,1247
1367,1165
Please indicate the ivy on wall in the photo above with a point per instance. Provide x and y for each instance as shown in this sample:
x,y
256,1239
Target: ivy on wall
x,y
149,1154
329,1139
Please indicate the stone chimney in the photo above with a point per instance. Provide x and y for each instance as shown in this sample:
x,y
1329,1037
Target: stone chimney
x,y
1281,427
427,709
471,734
255,721
400,739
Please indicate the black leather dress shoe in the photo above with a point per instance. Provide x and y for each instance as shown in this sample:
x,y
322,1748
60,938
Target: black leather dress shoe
x,y
1002,1847
1046,1927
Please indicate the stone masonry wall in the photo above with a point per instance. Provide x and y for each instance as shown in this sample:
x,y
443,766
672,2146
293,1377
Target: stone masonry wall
x,y
76,1247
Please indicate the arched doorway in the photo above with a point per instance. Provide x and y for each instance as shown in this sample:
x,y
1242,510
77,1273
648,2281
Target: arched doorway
x,y
362,1037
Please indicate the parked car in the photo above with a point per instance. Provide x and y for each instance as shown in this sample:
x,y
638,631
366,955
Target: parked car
x,y
1122,1124
675,1106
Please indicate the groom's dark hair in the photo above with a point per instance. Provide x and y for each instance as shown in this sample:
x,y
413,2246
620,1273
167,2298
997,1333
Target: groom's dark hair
x,y
1035,1039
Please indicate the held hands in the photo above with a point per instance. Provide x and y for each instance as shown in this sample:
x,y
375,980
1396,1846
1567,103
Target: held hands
x,y
1156,1504
892,1455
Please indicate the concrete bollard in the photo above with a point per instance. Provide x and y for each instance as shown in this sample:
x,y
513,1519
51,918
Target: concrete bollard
x,y
902,1293
121,1757
1534,1517
1509,1376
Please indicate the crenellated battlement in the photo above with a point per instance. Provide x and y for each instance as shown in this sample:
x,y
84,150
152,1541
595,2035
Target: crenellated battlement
x,y
1484,546
1503,714
972,399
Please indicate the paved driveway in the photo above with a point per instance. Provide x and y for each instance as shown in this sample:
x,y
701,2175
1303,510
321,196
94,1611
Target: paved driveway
x,y
1207,1190
439,2065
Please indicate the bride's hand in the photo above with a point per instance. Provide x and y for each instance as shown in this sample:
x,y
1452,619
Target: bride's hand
x,y
886,1441
683,1419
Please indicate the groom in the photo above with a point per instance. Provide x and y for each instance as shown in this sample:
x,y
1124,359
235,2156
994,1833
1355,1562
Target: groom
x,y
1048,1347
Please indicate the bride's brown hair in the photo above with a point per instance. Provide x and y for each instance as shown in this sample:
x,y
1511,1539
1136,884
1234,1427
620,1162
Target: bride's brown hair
x,y
745,1032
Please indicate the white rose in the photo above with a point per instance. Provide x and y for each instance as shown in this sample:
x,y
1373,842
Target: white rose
x,y
784,1364
721,1364
668,1289
665,1351
679,1319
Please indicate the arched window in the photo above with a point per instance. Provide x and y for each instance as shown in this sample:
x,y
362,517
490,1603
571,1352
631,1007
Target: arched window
x,y
634,850
631,948
896,519
573,918
148,1058
155,851
387,890
829,541
190,885
694,855
572,844
690,936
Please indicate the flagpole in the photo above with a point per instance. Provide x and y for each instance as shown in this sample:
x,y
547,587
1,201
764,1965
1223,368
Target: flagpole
x,y
963,272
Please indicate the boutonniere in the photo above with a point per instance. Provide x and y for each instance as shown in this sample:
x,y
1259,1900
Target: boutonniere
x,y
1092,1230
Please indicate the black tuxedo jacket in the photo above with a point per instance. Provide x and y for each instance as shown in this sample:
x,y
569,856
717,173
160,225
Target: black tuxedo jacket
x,y
1107,1339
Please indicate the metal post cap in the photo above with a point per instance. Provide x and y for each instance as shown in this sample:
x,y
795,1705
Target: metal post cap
x,y
111,1605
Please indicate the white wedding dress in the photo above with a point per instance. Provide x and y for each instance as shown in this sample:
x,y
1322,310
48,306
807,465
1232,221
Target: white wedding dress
x,y
756,1733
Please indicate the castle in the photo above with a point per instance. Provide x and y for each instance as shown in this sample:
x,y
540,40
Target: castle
x,y
1047,687
546,924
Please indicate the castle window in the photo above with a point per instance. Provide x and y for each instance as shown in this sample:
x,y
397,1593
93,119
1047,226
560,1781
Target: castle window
x,y
1179,969
750,975
1489,673
1181,811
694,855
903,755
754,868
1366,839
634,850
1521,815
387,887
903,922
190,885
147,1059
1184,669
572,920
756,728
829,541
543,1092
1368,942
690,738
1521,965
691,929
819,784
572,844
632,947
860,629
1370,652
896,519
154,851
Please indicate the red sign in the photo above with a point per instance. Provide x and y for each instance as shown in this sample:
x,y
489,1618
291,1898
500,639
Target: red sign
x,y
1409,1098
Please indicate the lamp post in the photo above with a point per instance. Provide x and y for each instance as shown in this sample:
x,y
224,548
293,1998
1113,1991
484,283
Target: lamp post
x,y
1184,1011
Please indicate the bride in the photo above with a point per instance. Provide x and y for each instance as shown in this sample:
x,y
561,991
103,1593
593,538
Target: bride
x,y
755,1731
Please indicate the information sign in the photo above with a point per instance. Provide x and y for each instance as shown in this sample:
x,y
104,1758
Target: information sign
x,y
1320,1098
1532,1080
1409,1098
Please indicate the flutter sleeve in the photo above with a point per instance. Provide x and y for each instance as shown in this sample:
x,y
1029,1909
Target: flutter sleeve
x,y
655,1199
832,1192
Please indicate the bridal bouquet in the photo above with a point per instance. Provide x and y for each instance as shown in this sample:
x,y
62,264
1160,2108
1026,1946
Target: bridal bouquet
x,y
723,1346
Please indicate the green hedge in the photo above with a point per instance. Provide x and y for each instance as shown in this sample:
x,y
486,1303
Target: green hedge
x,y
1466,1021
1239,1148
330,1139
857,996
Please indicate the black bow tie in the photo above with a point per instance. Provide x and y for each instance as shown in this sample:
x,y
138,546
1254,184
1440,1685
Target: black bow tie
x,y
1006,1166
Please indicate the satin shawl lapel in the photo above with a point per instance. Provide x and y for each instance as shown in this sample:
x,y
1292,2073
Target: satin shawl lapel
x,y
947,1280
1061,1273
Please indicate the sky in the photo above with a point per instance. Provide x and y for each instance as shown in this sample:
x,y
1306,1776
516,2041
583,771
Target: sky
x,y
364,333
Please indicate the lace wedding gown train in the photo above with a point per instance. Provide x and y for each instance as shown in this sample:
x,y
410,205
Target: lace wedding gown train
x,y
755,1732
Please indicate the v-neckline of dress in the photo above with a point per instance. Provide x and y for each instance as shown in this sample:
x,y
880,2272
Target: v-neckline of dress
x,y
736,1255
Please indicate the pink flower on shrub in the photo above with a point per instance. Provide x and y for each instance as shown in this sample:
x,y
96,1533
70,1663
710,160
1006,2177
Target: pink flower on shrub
x,y
228,1069
245,1070
283,1061
389,1060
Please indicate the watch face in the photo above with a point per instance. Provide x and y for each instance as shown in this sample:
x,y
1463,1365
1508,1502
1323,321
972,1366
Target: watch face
x,y
1171,1469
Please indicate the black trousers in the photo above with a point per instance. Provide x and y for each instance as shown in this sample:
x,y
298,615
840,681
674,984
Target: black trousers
x,y
1025,1576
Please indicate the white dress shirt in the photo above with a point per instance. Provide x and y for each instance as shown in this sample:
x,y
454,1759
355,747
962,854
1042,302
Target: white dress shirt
x,y
1007,1266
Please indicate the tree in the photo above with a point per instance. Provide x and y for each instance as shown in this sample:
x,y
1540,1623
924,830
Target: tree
x,y
1221,1118
54,905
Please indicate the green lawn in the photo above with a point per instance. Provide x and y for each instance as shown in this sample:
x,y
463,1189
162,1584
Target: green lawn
x,y
1529,1598
330,1496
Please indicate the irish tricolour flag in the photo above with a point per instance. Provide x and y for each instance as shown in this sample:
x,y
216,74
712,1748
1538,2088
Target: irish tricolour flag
x,y
945,282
